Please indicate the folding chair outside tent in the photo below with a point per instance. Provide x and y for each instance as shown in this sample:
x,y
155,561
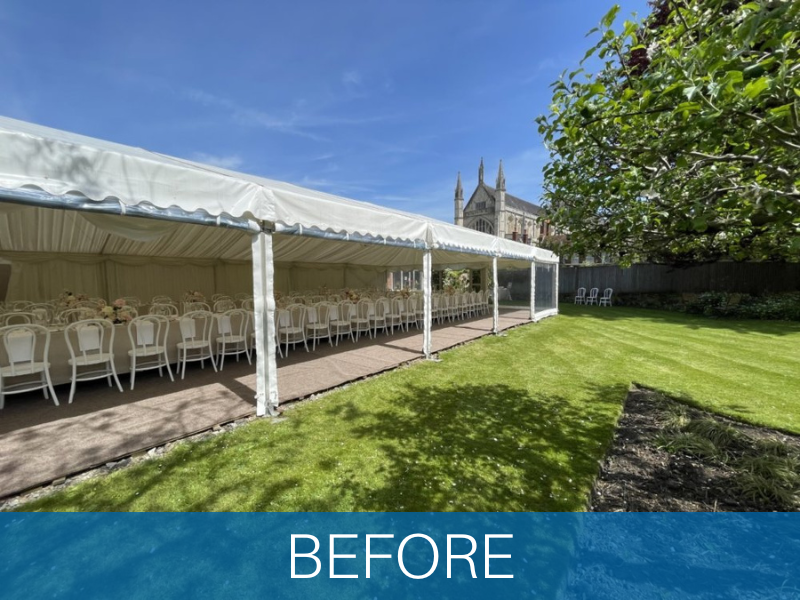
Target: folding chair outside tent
x,y
196,218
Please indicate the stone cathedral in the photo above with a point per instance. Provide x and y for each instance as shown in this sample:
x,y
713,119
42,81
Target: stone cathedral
x,y
495,211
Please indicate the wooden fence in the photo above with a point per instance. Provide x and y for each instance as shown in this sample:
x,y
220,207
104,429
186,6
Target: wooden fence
x,y
745,278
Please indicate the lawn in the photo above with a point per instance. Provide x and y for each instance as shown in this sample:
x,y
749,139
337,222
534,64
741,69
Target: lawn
x,y
515,423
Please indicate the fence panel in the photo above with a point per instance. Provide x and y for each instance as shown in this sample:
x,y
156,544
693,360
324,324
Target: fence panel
x,y
745,278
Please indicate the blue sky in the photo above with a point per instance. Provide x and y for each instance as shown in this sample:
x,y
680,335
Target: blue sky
x,y
381,101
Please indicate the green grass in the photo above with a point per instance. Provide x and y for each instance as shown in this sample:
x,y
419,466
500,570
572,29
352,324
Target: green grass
x,y
508,423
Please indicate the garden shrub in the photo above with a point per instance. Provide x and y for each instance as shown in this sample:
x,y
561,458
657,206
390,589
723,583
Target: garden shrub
x,y
724,305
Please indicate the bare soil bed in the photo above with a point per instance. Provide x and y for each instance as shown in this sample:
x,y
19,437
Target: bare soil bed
x,y
638,475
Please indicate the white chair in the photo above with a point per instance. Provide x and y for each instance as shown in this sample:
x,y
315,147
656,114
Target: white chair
x,y
446,308
196,329
291,326
410,315
318,326
92,305
161,300
397,314
132,301
44,313
378,310
232,328
592,297
452,307
580,295
195,307
476,303
164,309
341,320
94,341
149,335
20,344
73,315
362,317
606,299
248,304
436,308
20,305
464,304
17,318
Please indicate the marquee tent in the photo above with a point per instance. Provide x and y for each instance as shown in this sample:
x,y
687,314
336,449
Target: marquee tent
x,y
107,215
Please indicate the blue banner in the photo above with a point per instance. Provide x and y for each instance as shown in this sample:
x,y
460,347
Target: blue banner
x,y
391,555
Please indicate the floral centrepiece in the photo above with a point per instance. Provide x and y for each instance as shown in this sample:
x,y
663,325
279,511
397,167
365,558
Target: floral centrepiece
x,y
193,296
116,312
67,299
352,295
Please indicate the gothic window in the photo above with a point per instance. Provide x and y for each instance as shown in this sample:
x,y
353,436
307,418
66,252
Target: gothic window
x,y
482,225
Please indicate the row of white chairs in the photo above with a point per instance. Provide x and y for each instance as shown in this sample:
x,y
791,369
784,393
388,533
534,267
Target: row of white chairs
x,y
90,341
304,322
90,344
592,298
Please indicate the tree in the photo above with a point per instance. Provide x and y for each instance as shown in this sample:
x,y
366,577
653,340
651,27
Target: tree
x,y
685,146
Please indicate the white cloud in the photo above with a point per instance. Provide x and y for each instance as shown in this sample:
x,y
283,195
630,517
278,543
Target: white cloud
x,y
351,77
231,161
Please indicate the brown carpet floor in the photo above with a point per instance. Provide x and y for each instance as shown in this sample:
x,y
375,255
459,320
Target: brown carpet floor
x,y
41,442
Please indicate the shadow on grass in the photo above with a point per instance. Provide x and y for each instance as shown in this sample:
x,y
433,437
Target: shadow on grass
x,y
478,448
618,313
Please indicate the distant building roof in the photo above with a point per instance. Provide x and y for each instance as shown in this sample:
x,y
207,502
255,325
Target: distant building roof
x,y
513,202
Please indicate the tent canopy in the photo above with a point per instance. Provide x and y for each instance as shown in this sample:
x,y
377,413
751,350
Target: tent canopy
x,y
61,164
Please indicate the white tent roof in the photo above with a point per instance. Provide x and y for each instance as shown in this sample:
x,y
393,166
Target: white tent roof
x,y
60,163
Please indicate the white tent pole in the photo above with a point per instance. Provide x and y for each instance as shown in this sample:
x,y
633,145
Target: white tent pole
x,y
427,284
495,297
264,310
533,290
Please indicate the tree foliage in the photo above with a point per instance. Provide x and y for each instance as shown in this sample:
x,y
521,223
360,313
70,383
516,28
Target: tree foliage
x,y
685,146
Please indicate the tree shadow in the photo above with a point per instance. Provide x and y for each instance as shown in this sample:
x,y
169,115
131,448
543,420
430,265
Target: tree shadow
x,y
476,448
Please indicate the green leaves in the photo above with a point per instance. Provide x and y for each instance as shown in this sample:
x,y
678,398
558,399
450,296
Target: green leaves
x,y
689,152
609,17
753,89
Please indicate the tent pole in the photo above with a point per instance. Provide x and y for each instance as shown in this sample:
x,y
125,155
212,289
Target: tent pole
x,y
264,310
533,290
495,297
427,276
